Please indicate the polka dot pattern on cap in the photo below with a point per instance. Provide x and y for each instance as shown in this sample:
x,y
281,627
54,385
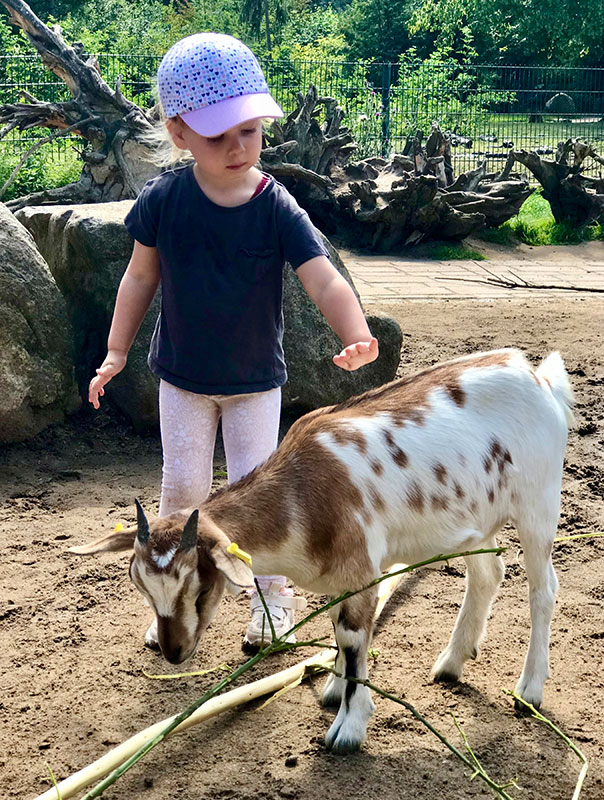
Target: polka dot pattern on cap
x,y
205,69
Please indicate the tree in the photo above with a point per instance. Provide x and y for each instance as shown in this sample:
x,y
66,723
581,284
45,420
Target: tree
x,y
548,32
377,30
117,165
255,12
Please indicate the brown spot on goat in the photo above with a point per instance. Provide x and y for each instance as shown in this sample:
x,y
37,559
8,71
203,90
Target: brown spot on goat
x,y
377,501
491,496
441,473
487,464
439,502
474,507
415,497
399,456
459,492
377,467
456,393
343,434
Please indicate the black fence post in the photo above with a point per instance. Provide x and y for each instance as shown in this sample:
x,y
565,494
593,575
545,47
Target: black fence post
x,y
386,80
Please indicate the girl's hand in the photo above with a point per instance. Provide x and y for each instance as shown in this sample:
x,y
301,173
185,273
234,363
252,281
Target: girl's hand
x,y
356,355
114,363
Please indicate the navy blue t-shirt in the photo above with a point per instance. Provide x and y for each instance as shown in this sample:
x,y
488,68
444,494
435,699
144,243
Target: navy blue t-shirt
x,y
220,328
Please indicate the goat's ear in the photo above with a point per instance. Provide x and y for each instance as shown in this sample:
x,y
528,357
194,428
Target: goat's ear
x,y
235,570
114,542
142,524
215,543
188,538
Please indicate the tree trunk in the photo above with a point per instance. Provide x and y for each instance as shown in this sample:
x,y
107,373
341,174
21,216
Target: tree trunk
x,y
117,164
573,197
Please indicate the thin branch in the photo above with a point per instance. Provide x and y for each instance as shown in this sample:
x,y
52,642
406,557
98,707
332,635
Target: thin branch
x,y
8,128
474,765
520,283
158,732
563,736
37,146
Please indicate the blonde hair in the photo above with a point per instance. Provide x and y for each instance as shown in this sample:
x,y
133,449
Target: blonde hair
x,y
162,150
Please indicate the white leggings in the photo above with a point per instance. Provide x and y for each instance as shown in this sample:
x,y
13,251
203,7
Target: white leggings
x,y
189,422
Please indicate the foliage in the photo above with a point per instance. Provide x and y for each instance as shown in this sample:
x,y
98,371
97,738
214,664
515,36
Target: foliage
x,y
376,30
43,170
429,90
551,32
272,14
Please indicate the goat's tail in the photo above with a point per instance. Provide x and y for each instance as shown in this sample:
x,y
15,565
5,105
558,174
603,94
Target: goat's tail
x,y
553,371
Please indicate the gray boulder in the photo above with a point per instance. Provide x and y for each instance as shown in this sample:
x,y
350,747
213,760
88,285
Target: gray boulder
x,y
37,384
87,248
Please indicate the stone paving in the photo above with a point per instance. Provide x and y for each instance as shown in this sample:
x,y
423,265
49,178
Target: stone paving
x,y
392,278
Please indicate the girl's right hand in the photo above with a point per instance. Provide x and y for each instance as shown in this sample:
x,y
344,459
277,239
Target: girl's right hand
x,y
113,363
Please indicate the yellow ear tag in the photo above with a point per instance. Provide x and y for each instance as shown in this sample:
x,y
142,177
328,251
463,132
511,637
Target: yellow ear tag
x,y
235,550
119,527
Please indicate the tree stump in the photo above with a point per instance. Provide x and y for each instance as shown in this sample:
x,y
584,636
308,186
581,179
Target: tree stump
x,y
574,197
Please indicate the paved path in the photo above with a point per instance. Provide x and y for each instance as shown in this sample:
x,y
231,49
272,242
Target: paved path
x,y
384,278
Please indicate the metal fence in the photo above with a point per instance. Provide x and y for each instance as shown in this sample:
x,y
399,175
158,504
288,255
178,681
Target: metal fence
x,y
486,108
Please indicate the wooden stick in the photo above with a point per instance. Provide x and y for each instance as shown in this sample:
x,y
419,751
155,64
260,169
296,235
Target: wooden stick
x,y
242,694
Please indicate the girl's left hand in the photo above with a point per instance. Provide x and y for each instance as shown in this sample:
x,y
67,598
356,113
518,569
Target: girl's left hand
x,y
356,355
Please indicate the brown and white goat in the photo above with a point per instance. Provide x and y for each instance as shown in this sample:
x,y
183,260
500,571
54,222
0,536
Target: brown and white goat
x,y
431,464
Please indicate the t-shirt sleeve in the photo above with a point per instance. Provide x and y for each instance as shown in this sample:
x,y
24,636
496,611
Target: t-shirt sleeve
x,y
143,218
300,240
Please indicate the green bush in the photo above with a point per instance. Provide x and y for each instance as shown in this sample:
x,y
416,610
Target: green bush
x,y
44,169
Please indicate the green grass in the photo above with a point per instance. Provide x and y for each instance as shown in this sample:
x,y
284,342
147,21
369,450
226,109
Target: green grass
x,y
451,252
42,170
535,225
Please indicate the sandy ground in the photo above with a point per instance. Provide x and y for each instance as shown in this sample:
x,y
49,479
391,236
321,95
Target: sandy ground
x,y
71,629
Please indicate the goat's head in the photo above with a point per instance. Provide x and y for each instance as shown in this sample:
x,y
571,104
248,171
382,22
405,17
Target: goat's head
x,y
181,565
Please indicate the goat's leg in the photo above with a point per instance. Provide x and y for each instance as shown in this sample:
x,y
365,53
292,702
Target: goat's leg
x,y
333,691
353,634
543,585
484,573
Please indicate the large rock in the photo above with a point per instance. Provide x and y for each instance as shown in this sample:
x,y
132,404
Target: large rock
x,y
37,385
87,248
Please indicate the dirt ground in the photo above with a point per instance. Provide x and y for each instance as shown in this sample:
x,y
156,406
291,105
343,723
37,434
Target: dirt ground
x,y
71,629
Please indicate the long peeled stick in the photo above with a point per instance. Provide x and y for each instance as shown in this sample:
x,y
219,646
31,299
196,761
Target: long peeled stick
x,y
211,708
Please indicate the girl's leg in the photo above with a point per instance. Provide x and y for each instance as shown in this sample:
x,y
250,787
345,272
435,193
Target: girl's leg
x,y
188,424
250,432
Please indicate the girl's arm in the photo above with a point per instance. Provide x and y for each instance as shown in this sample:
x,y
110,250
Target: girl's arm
x,y
136,291
340,307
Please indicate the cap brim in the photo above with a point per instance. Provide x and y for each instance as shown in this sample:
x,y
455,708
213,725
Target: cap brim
x,y
220,117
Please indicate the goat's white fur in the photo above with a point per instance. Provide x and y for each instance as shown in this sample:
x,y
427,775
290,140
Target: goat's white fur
x,y
434,464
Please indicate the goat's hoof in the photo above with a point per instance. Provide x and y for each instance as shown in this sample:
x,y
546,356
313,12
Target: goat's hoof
x,y
520,708
446,670
346,734
341,744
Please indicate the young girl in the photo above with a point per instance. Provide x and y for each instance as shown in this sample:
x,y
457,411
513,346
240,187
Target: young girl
x,y
217,233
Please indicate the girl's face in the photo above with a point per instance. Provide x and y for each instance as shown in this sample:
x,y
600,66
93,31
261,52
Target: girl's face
x,y
225,157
